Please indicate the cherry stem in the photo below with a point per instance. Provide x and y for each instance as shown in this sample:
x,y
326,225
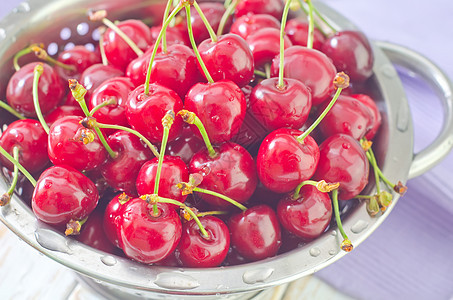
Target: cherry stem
x,y
226,15
22,53
267,70
167,121
37,72
15,172
212,213
212,193
281,83
227,3
260,73
156,45
302,6
111,101
164,36
378,171
194,47
11,110
321,17
73,227
373,162
15,162
346,243
42,54
191,118
311,25
78,92
104,59
208,26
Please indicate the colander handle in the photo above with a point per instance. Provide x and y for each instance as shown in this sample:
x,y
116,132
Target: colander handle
x,y
443,143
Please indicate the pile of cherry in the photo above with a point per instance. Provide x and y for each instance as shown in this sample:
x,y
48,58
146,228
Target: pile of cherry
x,y
256,143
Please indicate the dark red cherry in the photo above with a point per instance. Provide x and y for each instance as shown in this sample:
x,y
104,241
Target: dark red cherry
x,y
112,216
65,148
213,12
229,58
173,171
117,51
198,251
31,139
343,160
283,162
297,31
93,235
277,107
270,7
80,58
19,92
348,116
231,173
63,111
265,45
118,89
174,35
185,145
145,237
310,66
250,23
308,216
220,106
145,111
351,53
62,194
372,106
255,233
122,171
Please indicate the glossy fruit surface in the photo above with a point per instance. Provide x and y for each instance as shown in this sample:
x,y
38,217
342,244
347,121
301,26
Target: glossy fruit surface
x,y
265,45
297,31
250,23
372,106
111,218
80,58
213,12
270,7
185,145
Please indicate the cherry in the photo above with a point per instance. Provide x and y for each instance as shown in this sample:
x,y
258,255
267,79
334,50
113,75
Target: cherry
x,y
342,159
377,118
310,66
348,116
174,171
220,106
93,235
283,162
228,58
66,148
63,111
19,90
121,172
231,172
250,23
270,7
145,111
297,31
63,194
112,216
351,53
80,58
277,107
31,139
308,215
186,145
255,233
146,237
196,250
174,35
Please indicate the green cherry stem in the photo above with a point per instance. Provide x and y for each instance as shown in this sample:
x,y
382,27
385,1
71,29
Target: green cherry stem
x,y
259,73
341,81
15,172
164,36
346,244
37,72
311,25
156,45
73,227
11,110
321,17
22,53
42,54
191,118
226,15
104,59
228,199
194,46
281,83
167,121
373,163
212,213
15,162
321,185
111,101
208,26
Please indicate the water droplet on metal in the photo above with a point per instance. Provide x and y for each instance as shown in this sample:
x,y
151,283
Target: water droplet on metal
x,y
389,71
52,241
172,280
332,252
2,34
333,233
359,226
108,260
403,118
22,8
257,275
315,251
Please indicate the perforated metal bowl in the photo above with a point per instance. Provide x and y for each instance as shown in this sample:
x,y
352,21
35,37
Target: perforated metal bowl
x,y
60,23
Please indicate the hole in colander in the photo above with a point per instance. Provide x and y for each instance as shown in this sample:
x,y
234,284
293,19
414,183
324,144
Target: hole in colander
x,y
65,34
83,28
69,46
96,34
52,49
90,47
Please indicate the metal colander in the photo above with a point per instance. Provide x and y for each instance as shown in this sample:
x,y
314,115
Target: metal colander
x,y
61,24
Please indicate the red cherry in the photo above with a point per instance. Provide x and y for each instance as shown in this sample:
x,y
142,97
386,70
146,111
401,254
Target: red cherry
x,y
93,235
351,53
277,107
308,216
213,12
297,31
250,23
231,173
173,171
372,106
228,58
80,58
265,45
186,145
19,92
283,162
121,172
255,233
62,194
270,7
147,238
310,66
220,106
343,160
145,111
174,35
65,149
111,219
63,111
197,251
31,139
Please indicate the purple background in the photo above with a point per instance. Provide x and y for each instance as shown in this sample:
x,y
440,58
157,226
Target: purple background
x,y
410,255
